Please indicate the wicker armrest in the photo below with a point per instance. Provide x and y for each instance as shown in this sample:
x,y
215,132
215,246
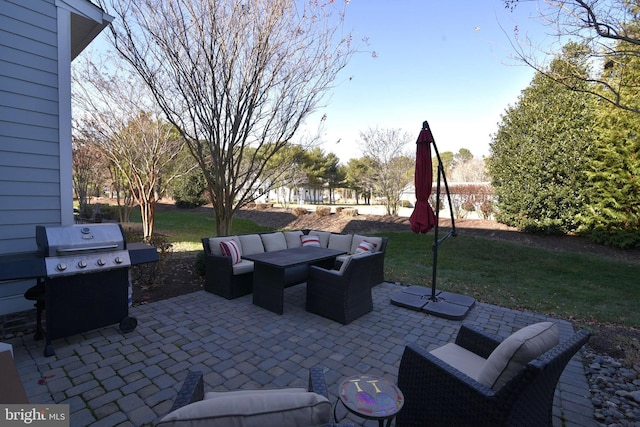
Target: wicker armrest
x,y
477,341
458,400
192,390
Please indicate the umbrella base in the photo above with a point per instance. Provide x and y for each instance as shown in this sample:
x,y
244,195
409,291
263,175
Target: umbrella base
x,y
446,304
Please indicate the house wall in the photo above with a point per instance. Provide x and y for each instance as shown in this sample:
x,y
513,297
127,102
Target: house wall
x,y
29,155
30,188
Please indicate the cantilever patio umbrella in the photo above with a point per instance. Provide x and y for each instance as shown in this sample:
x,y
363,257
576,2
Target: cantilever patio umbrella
x,y
423,219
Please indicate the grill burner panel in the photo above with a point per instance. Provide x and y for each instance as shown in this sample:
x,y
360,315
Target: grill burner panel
x,y
86,263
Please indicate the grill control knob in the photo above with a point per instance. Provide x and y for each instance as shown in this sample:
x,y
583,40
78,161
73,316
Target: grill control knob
x,y
118,260
61,267
100,262
82,263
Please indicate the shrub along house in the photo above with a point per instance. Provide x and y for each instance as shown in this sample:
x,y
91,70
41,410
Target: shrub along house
x,y
38,41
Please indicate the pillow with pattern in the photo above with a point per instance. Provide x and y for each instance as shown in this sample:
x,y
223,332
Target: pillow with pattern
x,y
310,240
365,246
230,248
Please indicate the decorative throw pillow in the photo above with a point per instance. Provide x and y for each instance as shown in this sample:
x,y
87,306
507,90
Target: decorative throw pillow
x,y
365,246
231,249
310,240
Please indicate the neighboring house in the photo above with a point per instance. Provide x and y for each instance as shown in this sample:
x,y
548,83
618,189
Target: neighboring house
x,y
38,41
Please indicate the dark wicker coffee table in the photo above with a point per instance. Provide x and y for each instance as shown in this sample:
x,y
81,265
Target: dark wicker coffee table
x,y
370,397
273,271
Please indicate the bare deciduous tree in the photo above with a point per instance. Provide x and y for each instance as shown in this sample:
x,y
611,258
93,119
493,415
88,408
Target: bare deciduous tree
x,y
86,164
237,78
609,34
393,168
114,111
472,170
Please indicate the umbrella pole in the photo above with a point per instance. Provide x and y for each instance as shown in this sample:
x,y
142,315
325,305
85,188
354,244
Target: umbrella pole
x,y
445,304
436,242
434,271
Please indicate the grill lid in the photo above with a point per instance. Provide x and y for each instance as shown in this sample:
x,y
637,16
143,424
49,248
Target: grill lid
x,y
77,239
78,249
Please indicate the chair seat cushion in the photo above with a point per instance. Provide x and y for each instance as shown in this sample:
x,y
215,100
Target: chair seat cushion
x,y
460,358
516,351
253,408
244,266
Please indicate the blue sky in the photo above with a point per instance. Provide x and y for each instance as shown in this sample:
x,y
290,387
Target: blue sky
x,y
446,62
450,63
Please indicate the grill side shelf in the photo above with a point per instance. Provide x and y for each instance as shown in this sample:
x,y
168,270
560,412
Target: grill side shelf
x,y
28,265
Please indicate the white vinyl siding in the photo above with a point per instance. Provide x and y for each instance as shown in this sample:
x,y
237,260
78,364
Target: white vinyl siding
x,y
29,122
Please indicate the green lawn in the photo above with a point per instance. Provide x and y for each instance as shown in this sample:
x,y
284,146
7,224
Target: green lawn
x,y
567,285
572,286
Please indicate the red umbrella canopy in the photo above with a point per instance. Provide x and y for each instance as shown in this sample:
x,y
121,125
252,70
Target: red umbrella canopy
x,y
423,219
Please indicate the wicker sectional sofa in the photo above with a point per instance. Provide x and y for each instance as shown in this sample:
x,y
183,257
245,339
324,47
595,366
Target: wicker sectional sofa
x,y
230,280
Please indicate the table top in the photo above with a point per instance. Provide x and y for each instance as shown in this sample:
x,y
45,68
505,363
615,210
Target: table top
x,y
371,397
294,256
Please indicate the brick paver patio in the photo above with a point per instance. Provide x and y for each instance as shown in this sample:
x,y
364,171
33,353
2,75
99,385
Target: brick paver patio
x,y
111,379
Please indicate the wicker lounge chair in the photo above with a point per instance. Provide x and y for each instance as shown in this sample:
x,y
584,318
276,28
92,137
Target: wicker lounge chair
x,y
437,394
192,391
342,295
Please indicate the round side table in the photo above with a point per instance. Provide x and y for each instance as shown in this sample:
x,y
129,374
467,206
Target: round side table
x,y
370,397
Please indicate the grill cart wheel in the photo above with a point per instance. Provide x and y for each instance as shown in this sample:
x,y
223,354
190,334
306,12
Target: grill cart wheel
x,y
128,324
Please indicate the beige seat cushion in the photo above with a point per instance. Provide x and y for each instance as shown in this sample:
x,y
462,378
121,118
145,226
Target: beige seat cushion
x,y
343,258
516,351
253,408
244,266
251,244
460,358
273,241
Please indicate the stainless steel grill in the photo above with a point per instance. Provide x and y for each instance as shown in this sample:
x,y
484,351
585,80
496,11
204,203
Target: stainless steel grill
x,y
86,279
78,249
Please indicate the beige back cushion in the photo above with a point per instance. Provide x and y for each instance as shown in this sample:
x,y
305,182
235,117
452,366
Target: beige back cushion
x,y
516,351
251,244
341,242
273,241
259,408
293,238
214,244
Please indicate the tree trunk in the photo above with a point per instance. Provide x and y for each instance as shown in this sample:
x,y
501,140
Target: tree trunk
x,y
224,218
147,212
